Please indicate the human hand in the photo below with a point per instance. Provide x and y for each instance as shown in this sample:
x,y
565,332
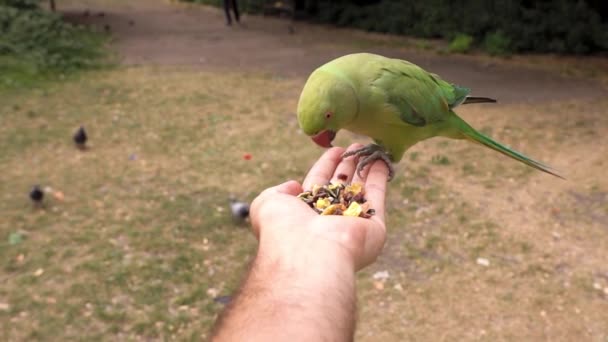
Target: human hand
x,y
290,231
304,272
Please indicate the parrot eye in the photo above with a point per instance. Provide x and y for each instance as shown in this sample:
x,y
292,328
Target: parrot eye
x,y
328,114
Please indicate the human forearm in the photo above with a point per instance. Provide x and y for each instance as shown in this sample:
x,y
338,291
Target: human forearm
x,y
304,294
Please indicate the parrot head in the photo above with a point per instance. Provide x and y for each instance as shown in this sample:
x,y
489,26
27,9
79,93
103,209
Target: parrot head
x,y
328,103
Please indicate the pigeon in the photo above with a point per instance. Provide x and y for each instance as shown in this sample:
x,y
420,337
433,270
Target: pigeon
x,y
80,137
239,210
36,195
223,300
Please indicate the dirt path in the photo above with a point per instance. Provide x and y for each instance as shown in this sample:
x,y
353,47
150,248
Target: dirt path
x,y
169,33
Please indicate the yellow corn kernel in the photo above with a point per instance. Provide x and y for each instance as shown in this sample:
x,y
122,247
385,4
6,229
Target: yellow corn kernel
x,y
322,203
354,209
354,188
331,209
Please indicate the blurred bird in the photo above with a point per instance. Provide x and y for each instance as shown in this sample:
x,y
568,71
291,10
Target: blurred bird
x,y
239,210
80,138
37,195
223,299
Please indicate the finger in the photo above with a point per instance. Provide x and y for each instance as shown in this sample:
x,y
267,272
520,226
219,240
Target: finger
x,y
289,188
346,169
322,171
375,238
375,187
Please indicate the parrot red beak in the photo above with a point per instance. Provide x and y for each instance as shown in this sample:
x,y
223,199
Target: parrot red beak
x,y
324,138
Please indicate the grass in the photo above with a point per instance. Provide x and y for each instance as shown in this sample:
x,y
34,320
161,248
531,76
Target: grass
x,y
142,242
131,230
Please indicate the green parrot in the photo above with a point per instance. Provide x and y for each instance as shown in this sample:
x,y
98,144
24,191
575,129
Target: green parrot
x,y
394,102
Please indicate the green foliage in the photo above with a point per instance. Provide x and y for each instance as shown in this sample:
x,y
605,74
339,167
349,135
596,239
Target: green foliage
x,y
35,43
497,43
20,4
560,26
461,43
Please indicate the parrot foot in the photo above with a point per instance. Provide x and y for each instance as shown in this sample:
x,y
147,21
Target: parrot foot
x,y
371,153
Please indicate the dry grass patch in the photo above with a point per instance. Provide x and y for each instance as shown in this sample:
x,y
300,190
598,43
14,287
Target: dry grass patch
x,y
142,240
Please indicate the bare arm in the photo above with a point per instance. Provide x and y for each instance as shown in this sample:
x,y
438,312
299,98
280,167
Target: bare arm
x,y
301,285
280,302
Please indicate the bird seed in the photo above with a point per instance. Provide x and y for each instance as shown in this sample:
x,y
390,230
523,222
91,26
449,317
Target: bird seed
x,y
338,199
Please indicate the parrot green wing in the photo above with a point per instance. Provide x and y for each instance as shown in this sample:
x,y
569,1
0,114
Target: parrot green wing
x,y
454,94
419,97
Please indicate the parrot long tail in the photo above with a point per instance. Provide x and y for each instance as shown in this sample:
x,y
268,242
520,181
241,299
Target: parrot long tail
x,y
471,134
477,99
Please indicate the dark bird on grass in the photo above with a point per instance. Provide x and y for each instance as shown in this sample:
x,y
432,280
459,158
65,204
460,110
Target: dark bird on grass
x,y
80,138
36,195
239,210
223,300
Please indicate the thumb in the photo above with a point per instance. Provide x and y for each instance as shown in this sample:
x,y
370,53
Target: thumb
x,y
289,188
258,207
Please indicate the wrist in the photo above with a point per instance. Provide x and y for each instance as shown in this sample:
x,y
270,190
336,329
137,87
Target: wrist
x,y
304,266
312,284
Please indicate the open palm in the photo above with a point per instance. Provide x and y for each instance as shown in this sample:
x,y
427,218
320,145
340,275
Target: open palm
x,y
293,229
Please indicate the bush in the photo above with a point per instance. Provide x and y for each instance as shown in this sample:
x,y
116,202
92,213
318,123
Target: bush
x,y
497,44
33,41
461,43
20,4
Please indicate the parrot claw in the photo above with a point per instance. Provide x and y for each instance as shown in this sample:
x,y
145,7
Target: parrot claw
x,y
371,153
